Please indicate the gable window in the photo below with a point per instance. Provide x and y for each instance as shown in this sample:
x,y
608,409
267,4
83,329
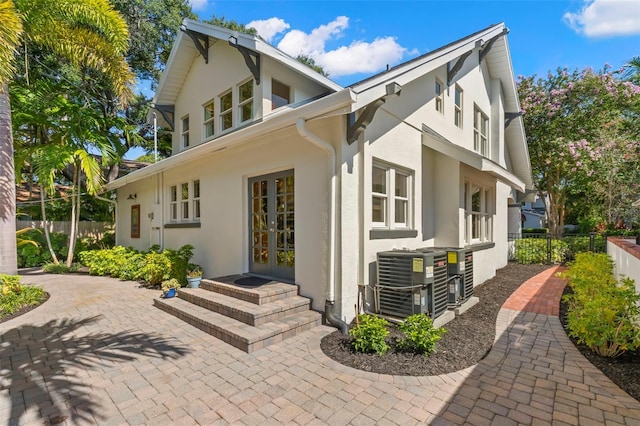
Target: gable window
x,y
185,132
439,97
391,190
478,208
480,132
280,94
245,98
457,108
209,120
226,111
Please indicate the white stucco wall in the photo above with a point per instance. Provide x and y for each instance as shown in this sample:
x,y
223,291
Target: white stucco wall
x,y
625,263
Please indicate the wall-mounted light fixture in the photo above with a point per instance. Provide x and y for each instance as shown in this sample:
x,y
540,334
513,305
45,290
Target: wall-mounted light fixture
x,y
132,196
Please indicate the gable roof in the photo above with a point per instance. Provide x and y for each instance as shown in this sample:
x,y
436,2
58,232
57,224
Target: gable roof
x,y
184,51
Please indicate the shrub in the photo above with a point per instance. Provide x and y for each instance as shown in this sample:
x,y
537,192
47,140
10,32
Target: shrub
x,y
14,296
534,250
420,335
602,314
60,268
369,334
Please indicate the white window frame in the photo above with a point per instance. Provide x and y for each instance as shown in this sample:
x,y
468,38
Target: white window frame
x,y
389,197
288,98
439,95
243,103
184,131
184,201
173,203
196,199
210,120
226,112
482,217
480,131
458,108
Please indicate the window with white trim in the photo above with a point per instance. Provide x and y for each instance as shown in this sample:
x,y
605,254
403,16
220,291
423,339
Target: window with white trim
x,y
173,204
245,101
439,96
226,111
209,120
480,131
196,199
280,94
391,197
184,201
185,132
457,106
478,206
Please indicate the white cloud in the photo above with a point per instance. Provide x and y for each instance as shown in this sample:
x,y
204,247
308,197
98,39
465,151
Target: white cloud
x,y
198,4
357,57
606,18
269,28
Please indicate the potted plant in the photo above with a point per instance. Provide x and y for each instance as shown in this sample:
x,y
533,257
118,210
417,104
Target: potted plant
x,y
194,275
169,288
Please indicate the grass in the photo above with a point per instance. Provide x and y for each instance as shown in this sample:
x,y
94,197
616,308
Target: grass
x,y
15,296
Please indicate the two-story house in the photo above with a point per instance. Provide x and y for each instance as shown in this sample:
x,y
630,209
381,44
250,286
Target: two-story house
x,y
279,172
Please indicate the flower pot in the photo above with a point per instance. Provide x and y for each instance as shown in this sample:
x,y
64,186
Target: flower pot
x,y
194,282
169,293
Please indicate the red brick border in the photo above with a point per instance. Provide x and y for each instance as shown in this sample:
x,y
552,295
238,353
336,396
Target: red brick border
x,y
631,248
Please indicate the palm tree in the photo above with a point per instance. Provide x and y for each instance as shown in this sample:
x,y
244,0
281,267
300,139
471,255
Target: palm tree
x,y
87,33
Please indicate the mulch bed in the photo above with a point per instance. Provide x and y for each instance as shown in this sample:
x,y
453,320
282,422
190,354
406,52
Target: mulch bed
x,y
470,337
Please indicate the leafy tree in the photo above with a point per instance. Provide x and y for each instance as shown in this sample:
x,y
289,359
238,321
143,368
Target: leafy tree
x,y
308,61
582,131
221,21
89,34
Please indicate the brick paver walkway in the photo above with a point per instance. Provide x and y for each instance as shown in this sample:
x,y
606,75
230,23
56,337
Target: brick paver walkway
x,y
98,353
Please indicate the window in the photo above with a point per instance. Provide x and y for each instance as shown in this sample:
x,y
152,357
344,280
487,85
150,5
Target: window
x,y
478,208
280,94
226,111
185,132
209,120
245,99
457,108
173,204
439,97
196,199
389,209
480,130
184,201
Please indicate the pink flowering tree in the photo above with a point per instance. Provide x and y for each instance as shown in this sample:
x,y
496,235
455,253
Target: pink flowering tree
x,y
582,131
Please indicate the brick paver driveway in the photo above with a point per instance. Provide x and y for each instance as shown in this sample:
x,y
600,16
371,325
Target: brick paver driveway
x,y
98,353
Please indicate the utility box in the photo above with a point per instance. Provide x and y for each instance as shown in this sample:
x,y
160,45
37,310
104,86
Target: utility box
x,y
411,282
459,273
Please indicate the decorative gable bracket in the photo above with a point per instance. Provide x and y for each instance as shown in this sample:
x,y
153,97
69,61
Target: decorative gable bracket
x,y
510,116
356,127
487,46
168,113
451,72
251,58
201,41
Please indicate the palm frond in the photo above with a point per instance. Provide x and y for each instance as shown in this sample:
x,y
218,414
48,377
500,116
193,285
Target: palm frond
x,y
10,33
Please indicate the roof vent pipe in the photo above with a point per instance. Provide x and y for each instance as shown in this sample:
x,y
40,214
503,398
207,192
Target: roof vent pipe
x,y
330,299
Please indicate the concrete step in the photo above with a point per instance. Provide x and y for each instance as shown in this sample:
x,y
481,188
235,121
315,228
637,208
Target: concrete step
x,y
246,312
268,292
243,336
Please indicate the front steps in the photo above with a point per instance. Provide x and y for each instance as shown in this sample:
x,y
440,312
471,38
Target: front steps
x,y
249,318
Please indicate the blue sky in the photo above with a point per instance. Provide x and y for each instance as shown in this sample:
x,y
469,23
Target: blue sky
x,y
349,35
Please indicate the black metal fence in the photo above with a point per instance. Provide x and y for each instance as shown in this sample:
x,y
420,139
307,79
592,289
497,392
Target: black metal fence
x,y
543,249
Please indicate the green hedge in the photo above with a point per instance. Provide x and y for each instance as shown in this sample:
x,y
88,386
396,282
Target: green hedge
x,y
534,250
602,313
152,266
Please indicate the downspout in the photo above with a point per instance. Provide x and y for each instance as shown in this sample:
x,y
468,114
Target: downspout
x,y
329,308
115,209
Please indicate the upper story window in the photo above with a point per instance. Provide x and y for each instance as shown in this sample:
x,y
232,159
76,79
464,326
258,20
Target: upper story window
x,y
226,111
457,107
280,94
245,101
439,97
480,132
209,120
391,190
478,207
185,132
181,198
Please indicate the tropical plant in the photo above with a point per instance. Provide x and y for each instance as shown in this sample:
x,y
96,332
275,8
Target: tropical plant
x,y
15,296
169,284
90,35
